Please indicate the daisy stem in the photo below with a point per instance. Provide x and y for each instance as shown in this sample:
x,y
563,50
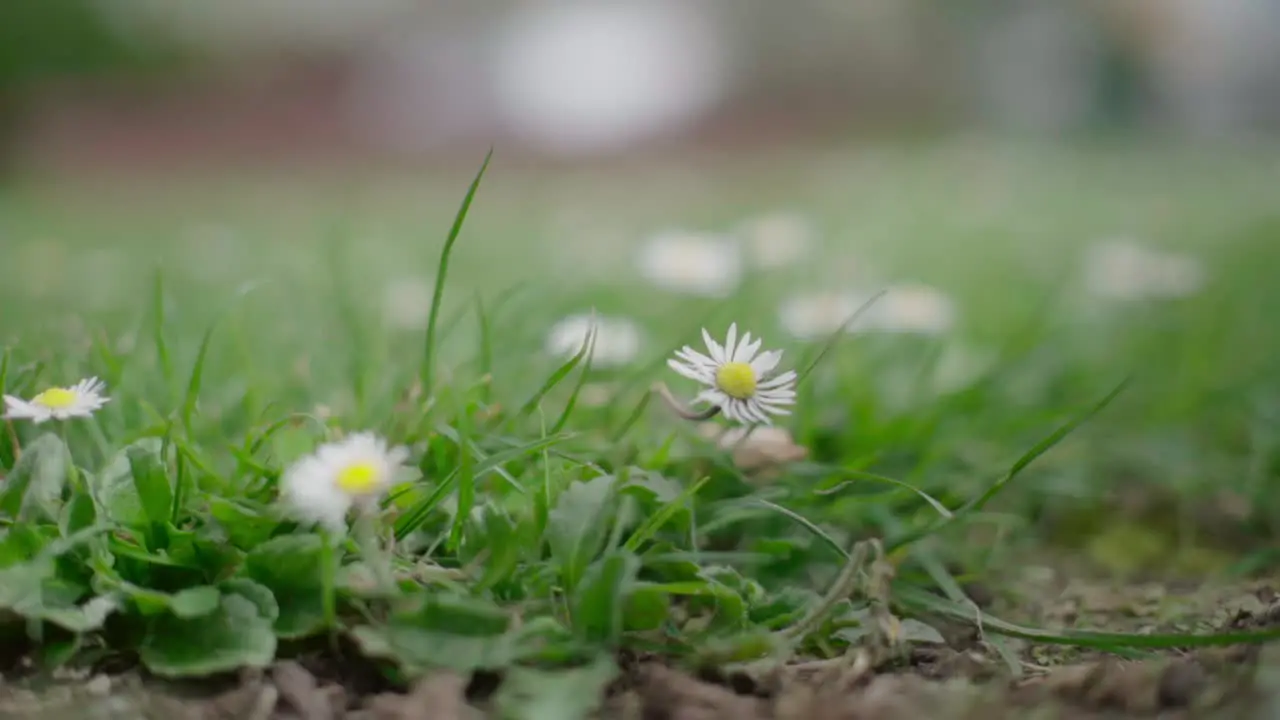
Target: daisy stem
x,y
73,476
660,388
379,562
328,583
13,440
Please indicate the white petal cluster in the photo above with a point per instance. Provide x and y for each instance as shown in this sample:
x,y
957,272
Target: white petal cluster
x,y
737,377
58,403
353,472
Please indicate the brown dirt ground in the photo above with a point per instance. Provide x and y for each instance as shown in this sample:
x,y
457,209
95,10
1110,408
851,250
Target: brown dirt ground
x,y
965,679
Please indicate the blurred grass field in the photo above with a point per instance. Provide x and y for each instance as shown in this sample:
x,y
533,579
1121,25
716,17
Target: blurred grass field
x,y
287,282
1000,227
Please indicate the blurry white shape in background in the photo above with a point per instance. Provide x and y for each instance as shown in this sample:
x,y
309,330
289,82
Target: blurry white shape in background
x,y
585,76
910,308
778,239
406,303
817,315
617,339
1124,270
693,263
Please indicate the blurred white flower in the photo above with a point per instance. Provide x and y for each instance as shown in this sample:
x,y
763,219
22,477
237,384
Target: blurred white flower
x,y
1124,270
693,263
817,315
778,239
617,340
910,308
352,472
582,77
406,303
58,403
737,377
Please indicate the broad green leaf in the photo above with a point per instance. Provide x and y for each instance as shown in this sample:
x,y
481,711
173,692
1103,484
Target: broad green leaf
x,y
194,602
255,593
645,609
291,567
33,489
459,633
246,526
236,635
83,618
561,694
576,526
601,596
151,482
117,495
78,514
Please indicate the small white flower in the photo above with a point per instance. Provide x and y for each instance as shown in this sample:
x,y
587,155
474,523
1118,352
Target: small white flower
x,y
617,340
817,315
778,239
737,377
406,303
910,308
352,472
1124,270
693,263
58,403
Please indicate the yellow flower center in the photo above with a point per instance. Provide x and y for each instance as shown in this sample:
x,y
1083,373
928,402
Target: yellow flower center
x,y
55,399
736,379
358,479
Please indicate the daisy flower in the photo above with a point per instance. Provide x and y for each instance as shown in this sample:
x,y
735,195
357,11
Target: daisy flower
x,y
352,472
58,403
737,376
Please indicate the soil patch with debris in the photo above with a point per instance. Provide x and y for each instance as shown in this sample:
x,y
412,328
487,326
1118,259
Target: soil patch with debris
x,y
958,681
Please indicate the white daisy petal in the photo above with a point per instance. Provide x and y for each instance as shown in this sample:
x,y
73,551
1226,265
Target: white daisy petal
x,y
58,403
736,377
353,472
717,352
685,370
765,362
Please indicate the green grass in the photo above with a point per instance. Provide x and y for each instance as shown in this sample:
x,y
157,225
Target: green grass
x,y
545,530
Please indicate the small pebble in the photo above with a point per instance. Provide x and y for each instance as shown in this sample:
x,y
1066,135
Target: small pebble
x,y
98,685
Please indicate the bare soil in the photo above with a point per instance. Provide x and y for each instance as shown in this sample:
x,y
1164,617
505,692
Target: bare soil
x,y
964,679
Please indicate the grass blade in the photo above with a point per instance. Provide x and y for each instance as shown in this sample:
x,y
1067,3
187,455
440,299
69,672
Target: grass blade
x,y
654,522
197,377
414,517
427,370
1016,469
834,337
555,379
157,330
806,523
589,347
860,475
923,601
466,478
